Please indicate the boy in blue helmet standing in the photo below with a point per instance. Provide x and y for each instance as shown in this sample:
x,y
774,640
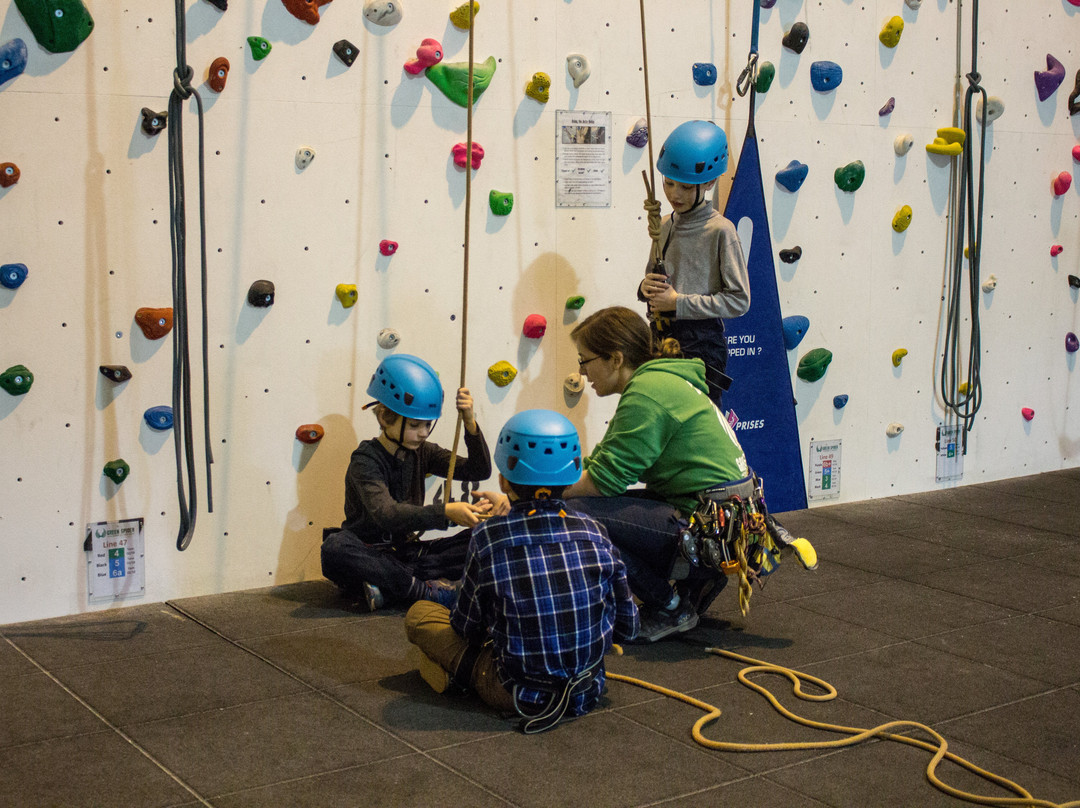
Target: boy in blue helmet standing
x,y
702,278
544,593
376,554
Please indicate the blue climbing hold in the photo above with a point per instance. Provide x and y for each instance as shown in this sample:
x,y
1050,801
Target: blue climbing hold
x,y
840,401
793,176
159,418
795,328
704,74
12,59
825,76
13,275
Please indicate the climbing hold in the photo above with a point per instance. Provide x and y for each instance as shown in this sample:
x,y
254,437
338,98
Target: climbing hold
x,y
260,48
993,108
17,380
790,256
460,15
429,53
963,388
346,294
949,142
575,302
573,384
1046,81
891,31
704,74
13,275
502,373
887,109
894,429
825,76
793,176
305,10
12,59
795,328
459,154
1027,412
453,79
219,74
913,4
535,326
155,323
577,65
1061,183
117,470
766,72
153,122
898,356
796,38
813,364
1076,152
1074,282
538,87
221,5
383,12
261,294
310,433
903,143
9,174
990,283
388,338
345,51
1056,250
500,203
902,219
159,418
850,177
304,156
58,26
1071,342
840,401
638,134
1074,96
387,247
115,373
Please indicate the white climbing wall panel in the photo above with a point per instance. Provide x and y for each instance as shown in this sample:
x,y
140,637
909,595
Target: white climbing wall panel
x,y
90,220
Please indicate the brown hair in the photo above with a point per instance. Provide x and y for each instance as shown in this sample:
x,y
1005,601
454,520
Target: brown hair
x,y
618,328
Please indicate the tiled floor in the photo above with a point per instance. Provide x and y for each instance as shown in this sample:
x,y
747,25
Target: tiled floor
x,y
956,608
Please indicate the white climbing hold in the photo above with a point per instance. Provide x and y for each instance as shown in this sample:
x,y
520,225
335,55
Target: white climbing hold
x,y
903,143
990,284
894,429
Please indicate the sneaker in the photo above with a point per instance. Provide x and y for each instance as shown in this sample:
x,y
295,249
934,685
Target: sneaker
x,y
441,591
657,623
432,672
371,596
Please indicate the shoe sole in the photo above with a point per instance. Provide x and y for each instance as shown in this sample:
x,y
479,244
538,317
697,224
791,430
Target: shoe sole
x,y
433,673
805,552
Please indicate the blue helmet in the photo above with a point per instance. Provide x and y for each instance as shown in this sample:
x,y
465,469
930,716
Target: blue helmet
x,y
409,386
694,153
539,447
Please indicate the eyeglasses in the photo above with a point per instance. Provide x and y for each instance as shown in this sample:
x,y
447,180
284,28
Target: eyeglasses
x,y
581,363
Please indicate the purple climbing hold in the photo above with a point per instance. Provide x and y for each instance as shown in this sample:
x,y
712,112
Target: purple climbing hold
x,y
768,3
1049,80
1071,342
797,37
13,275
890,105
12,59
638,136
704,74
793,176
825,76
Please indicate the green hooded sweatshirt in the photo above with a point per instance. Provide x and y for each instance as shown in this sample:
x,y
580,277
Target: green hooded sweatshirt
x,y
668,434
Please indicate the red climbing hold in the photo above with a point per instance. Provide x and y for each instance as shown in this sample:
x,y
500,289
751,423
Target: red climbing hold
x,y
535,326
387,247
459,155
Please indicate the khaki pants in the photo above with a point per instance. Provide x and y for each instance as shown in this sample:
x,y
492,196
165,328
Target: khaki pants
x,y
427,625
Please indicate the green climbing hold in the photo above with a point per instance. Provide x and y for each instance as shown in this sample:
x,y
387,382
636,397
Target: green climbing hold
x,y
851,176
500,203
766,72
260,48
575,302
17,380
58,26
117,470
814,364
453,79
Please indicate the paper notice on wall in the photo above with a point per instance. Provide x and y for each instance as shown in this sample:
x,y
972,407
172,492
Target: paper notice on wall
x,y
824,469
114,559
582,159
950,454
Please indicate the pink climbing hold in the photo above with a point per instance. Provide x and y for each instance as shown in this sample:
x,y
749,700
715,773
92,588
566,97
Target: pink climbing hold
x,y
1062,183
459,155
387,247
1056,250
535,326
429,53
1028,413
1076,149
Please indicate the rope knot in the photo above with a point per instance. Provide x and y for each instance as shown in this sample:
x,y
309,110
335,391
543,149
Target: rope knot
x,y
974,78
182,85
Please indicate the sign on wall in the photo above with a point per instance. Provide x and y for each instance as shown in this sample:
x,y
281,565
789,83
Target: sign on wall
x,y
824,469
114,559
582,159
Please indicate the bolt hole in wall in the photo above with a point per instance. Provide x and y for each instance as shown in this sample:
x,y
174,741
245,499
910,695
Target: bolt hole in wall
x,y
382,140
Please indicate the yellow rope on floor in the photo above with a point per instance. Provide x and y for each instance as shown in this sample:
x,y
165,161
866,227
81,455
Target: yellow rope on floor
x,y
857,735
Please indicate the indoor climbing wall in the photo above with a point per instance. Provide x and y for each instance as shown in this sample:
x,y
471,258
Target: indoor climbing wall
x,y
336,206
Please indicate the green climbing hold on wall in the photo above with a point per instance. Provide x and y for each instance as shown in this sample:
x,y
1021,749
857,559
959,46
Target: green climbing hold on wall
x,y
260,48
850,177
766,72
58,26
117,470
453,79
17,380
813,365
500,203
575,302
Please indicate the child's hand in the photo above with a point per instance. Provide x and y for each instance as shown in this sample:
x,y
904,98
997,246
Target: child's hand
x,y
464,405
660,294
654,284
498,504
466,514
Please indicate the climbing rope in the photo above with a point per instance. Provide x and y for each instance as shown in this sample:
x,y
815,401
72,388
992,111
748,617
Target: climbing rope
x,y
886,731
652,206
181,383
967,216
749,73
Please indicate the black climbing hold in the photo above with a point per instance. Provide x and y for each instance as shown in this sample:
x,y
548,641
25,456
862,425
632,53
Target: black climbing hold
x,y
220,4
791,256
797,37
153,122
261,294
115,373
1074,282
1074,96
345,51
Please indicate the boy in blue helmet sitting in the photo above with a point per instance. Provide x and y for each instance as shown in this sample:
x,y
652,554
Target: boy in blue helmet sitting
x,y
544,593
376,554
701,279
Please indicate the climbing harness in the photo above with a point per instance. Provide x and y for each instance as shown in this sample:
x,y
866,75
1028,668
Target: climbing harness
x,y
560,693
887,731
181,384
966,220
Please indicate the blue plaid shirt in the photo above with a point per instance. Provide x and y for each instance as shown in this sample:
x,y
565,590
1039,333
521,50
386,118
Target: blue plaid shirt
x,y
550,591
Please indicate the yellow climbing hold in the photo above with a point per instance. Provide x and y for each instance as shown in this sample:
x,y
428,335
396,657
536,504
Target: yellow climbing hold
x,y
502,373
538,87
346,293
963,388
890,34
460,15
898,356
949,141
902,219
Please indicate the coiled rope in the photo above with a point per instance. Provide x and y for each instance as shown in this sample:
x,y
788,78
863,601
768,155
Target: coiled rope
x,y
181,382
